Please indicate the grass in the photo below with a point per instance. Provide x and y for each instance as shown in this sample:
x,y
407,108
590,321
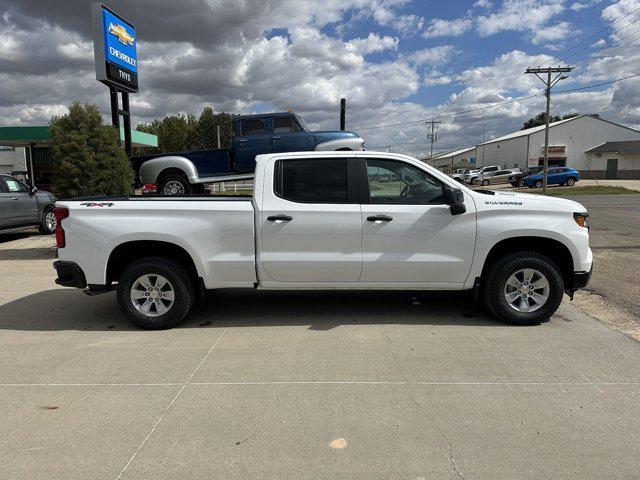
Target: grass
x,y
590,190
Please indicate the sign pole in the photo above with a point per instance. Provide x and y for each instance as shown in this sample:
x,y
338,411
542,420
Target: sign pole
x,y
115,116
126,114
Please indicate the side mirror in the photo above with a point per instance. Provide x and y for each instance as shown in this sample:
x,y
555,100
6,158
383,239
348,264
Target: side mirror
x,y
455,199
33,191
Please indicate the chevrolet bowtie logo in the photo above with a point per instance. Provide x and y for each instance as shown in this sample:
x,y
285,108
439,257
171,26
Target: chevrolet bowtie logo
x,y
120,32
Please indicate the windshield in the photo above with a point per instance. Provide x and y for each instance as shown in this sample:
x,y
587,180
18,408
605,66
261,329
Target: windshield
x,y
303,124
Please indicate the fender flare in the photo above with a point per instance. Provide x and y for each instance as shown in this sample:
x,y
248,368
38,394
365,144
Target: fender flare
x,y
151,169
355,144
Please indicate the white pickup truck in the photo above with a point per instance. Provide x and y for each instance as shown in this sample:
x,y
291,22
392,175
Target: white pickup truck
x,y
325,220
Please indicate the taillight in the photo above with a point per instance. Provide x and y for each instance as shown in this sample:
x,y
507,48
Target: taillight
x,y
60,213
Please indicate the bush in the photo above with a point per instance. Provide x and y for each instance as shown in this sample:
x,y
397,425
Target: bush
x,y
88,159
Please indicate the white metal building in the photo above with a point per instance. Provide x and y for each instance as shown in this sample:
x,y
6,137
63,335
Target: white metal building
x,y
569,142
465,157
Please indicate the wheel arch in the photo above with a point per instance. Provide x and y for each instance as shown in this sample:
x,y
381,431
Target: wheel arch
x,y
557,251
152,170
128,252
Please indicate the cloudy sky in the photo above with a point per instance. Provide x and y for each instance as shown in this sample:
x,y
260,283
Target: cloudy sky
x,y
395,61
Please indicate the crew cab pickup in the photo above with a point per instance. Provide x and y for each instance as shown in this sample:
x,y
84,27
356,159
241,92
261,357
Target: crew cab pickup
x,y
325,220
181,173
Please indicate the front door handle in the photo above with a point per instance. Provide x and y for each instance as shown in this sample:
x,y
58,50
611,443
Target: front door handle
x,y
15,198
242,140
276,137
280,218
379,218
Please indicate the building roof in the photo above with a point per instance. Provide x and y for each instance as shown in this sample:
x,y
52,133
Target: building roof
x,y
454,153
529,131
628,146
39,135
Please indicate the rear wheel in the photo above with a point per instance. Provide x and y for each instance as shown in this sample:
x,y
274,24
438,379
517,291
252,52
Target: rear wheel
x,y
539,184
48,223
174,184
523,288
155,293
485,183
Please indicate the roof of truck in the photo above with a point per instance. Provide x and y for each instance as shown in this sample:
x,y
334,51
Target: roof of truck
x,y
261,115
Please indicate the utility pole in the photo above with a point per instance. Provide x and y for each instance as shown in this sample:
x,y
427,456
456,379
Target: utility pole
x,y
549,83
218,136
432,135
343,110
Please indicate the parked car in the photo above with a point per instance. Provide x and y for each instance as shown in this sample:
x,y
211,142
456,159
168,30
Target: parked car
x,y
493,178
181,173
315,222
22,206
555,176
384,178
516,179
459,174
472,176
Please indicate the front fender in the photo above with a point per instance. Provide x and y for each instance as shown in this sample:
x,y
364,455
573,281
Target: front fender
x,y
355,144
151,169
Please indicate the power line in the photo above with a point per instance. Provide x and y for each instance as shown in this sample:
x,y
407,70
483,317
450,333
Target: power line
x,y
472,110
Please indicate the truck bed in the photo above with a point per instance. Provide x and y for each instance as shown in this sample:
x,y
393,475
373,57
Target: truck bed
x,y
216,231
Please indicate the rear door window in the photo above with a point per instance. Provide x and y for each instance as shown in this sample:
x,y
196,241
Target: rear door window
x,y
313,181
253,126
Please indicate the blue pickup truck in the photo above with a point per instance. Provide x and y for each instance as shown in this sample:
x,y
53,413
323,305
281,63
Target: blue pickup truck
x,y
182,173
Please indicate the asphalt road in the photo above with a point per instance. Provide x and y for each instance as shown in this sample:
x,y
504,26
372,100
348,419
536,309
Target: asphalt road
x,y
306,385
615,241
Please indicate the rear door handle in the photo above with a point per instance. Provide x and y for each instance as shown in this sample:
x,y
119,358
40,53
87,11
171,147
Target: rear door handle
x,y
15,198
280,218
242,140
379,218
276,138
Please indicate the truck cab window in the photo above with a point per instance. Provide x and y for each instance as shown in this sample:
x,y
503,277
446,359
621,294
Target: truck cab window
x,y
312,181
253,126
285,125
398,183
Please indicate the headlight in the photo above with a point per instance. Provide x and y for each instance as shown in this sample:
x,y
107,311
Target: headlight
x,y
582,219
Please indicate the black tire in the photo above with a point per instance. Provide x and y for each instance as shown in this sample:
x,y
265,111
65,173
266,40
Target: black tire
x,y
44,228
497,276
539,184
178,277
485,183
519,183
175,179
570,182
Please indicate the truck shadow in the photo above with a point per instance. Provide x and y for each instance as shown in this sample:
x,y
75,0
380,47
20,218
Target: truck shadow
x,y
70,309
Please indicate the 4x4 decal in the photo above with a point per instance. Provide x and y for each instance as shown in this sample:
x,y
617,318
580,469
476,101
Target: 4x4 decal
x,y
97,204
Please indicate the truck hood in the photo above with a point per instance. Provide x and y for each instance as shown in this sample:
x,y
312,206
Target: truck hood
x,y
327,135
496,199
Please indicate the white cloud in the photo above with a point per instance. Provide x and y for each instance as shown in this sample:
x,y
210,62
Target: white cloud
x,y
526,15
486,4
439,27
439,55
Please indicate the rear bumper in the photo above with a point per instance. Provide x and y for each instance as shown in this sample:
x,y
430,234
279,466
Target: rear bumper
x,y
69,274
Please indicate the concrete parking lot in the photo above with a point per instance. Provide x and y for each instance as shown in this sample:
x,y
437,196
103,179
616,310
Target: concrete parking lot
x,y
319,385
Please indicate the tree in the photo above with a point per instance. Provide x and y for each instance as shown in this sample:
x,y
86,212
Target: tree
x,y
88,159
540,119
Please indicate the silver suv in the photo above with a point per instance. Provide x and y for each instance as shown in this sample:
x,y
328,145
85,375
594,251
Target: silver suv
x,y
22,206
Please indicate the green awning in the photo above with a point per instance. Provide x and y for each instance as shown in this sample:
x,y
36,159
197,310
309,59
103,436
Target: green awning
x,y
39,135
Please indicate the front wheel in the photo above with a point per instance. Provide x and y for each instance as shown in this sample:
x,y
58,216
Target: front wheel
x,y
539,184
570,182
48,223
523,288
155,293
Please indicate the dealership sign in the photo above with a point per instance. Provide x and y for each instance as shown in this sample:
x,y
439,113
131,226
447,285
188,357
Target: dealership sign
x,y
114,46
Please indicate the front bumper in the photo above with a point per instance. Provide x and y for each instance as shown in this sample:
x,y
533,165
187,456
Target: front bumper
x,y
69,274
578,280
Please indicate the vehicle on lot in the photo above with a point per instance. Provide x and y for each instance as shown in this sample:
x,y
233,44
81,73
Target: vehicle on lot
x,y
493,178
22,206
384,178
471,177
316,222
181,173
459,174
555,176
517,179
